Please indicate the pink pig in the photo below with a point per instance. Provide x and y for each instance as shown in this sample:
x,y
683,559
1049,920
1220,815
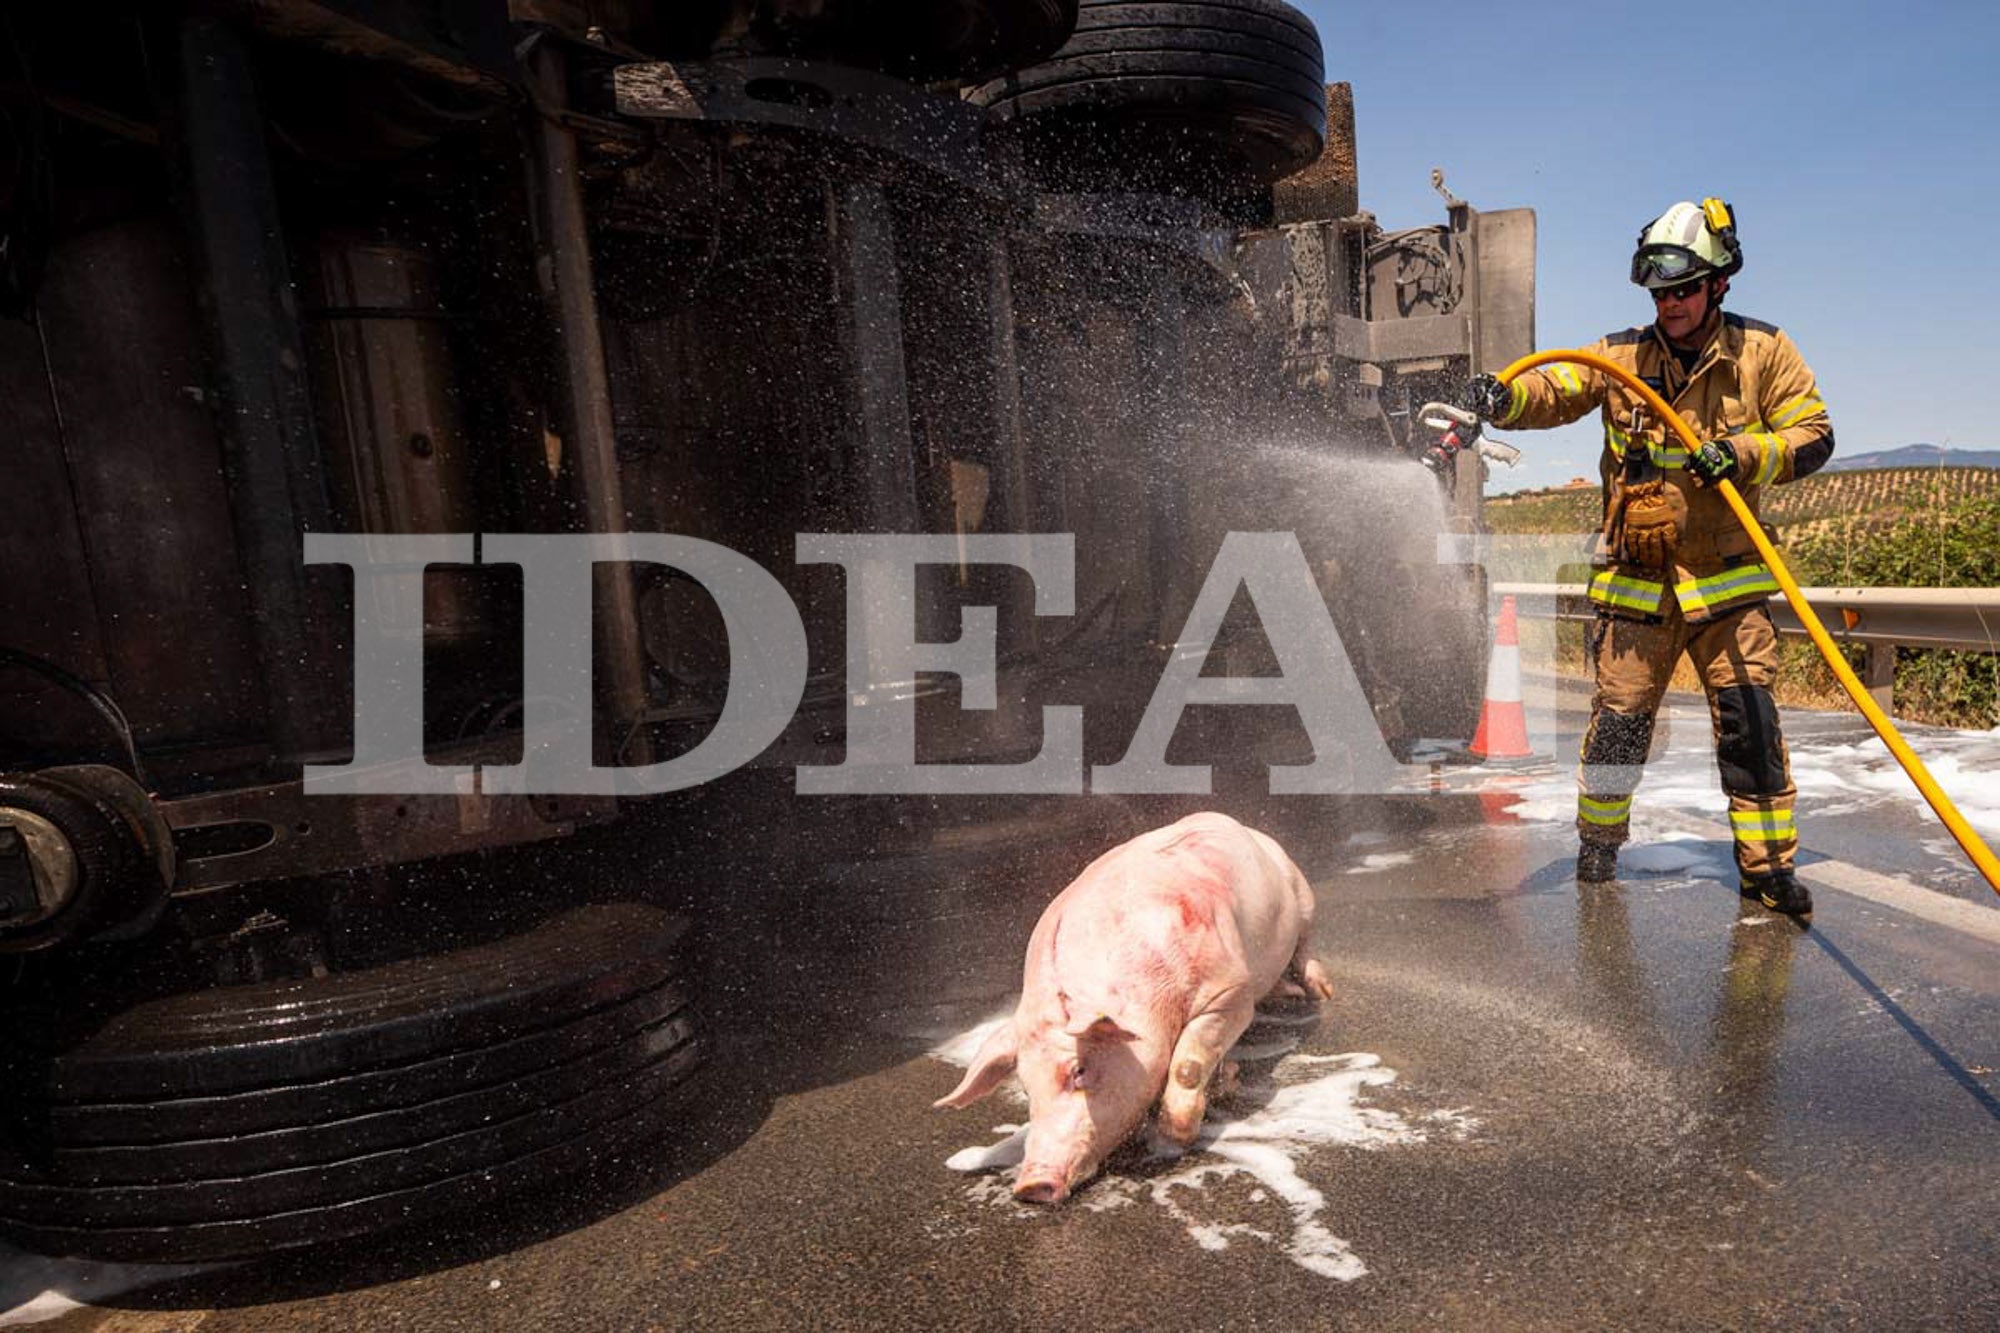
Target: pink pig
x,y
1151,961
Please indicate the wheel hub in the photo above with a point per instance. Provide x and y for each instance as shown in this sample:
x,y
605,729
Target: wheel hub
x,y
37,868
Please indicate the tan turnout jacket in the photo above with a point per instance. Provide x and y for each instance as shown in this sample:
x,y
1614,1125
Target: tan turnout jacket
x,y
1749,384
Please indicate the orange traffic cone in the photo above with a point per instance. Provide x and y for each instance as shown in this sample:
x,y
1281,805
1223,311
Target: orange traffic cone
x,y
1503,722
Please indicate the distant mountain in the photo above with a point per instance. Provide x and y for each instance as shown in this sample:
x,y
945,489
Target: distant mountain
x,y
1915,455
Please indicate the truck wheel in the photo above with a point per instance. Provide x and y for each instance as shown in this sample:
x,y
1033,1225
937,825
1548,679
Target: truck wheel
x,y
237,1120
933,39
918,39
107,847
1192,94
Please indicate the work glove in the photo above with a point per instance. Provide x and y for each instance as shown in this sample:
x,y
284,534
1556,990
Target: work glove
x,y
1487,396
1713,462
1650,534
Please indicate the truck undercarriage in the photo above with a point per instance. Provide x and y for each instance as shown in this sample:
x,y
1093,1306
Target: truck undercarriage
x,y
735,271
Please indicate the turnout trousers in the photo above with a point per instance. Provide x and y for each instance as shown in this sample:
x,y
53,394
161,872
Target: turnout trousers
x,y
1736,656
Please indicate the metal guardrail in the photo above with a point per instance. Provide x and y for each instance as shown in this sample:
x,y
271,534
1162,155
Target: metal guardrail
x,y
1883,619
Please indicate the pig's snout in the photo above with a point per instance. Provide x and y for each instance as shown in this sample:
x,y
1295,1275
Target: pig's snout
x,y
1045,1181
1041,1187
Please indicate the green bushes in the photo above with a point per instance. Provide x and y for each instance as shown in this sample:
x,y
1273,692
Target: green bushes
x,y
1956,545
1900,527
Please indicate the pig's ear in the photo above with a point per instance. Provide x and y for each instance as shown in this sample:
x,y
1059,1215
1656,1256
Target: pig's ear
x,y
993,1063
1101,1028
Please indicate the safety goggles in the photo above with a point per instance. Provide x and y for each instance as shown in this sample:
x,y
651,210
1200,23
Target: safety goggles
x,y
1685,290
1664,263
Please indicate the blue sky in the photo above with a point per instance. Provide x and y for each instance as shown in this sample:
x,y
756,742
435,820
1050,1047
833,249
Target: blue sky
x,y
1859,144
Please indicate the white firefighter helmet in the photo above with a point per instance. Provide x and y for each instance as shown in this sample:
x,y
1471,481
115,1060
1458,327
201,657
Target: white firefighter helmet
x,y
1686,242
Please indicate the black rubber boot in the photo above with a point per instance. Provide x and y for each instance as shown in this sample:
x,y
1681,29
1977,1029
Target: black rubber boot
x,y
1780,892
1596,863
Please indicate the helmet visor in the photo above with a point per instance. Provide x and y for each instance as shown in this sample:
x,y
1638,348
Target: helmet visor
x,y
1666,265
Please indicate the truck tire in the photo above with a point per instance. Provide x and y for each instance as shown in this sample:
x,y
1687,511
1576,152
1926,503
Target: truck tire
x,y
918,39
1195,94
237,1120
963,39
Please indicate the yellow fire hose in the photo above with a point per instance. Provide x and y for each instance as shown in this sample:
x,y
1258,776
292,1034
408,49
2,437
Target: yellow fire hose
x,y
1981,855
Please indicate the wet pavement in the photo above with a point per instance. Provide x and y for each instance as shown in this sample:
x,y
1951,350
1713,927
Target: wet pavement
x,y
1530,1104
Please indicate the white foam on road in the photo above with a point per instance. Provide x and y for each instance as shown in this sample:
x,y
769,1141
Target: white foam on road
x,y
1671,855
1966,764
1310,1104
62,1285
49,1305
1382,861
1851,775
1679,826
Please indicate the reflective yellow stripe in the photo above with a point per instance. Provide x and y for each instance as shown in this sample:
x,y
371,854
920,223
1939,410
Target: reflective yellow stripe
x,y
1715,590
1566,378
1774,460
1666,453
1669,455
1612,589
1603,812
1763,825
1770,458
1797,410
1517,398
1771,453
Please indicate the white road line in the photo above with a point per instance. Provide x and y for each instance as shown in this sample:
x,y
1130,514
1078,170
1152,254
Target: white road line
x,y
1900,895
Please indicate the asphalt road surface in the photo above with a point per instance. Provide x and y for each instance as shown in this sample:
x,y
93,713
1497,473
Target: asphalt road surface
x,y
1531,1105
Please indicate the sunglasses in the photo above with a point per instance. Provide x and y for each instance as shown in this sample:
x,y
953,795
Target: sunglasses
x,y
1680,293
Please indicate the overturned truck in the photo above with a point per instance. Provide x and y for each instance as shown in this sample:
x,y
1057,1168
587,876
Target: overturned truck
x,y
737,271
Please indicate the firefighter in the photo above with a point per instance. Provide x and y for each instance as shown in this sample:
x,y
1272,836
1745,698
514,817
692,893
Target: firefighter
x,y
1676,572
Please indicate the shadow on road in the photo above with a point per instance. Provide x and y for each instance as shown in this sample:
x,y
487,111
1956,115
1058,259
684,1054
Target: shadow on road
x,y
1944,1059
